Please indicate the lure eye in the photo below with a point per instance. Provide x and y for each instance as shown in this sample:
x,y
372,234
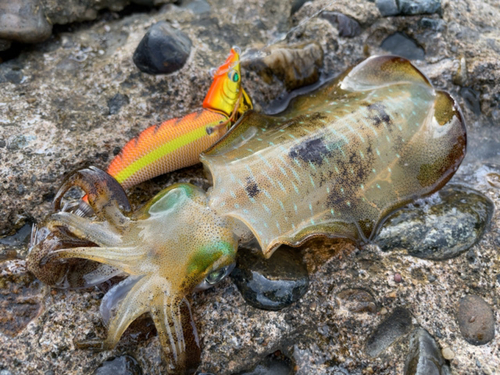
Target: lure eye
x,y
214,277
233,76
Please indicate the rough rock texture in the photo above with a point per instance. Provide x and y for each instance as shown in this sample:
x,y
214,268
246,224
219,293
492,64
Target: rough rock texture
x,y
55,116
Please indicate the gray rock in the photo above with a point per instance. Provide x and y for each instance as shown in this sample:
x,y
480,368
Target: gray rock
x,y
347,26
411,7
163,50
476,320
390,330
23,21
271,284
122,365
425,357
443,227
387,7
116,102
357,300
402,45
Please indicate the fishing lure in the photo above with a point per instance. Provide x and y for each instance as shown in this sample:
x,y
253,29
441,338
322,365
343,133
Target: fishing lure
x,y
177,143
334,164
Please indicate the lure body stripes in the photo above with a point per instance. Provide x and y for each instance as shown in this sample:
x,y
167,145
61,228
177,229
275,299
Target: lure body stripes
x,y
177,143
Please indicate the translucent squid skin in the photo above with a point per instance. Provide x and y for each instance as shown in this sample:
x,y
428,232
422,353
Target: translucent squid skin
x,y
334,164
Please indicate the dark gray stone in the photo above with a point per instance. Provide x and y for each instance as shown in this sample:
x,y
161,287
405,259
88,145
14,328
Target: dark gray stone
x,y
347,26
116,102
122,365
446,225
411,7
271,284
387,7
272,365
391,329
357,300
163,50
476,320
402,45
424,357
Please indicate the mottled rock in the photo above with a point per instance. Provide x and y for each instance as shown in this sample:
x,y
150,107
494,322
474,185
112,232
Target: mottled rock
x,y
116,102
357,300
442,227
271,284
402,45
295,65
122,365
23,21
347,26
20,297
476,320
411,7
387,7
425,357
390,330
163,50
274,364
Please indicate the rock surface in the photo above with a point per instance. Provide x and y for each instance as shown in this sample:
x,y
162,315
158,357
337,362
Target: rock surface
x,y
425,357
55,117
476,320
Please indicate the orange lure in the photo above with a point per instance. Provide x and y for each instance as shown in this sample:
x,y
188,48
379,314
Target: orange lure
x,y
177,143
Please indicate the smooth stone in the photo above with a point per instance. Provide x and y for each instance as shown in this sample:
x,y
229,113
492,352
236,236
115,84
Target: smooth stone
x,y
23,21
476,320
271,284
391,329
357,300
412,7
442,227
122,365
424,357
387,7
162,50
448,354
347,26
116,102
402,45
432,24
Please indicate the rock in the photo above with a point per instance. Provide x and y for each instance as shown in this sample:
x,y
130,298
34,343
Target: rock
x,y
21,298
402,45
387,7
476,320
347,26
357,300
116,102
4,44
442,227
274,364
425,357
295,65
163,50
271,284
23,21
411,7
122,365
448,354
390,330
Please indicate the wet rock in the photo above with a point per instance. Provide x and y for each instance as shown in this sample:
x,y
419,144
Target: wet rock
x,y
122,365
476,320
471,99
425,357
442,227
408,7
23,21
274,364
432,24
20,297
295,65
116,102
390,330
347,26
271,284
402,45
163,50
357,300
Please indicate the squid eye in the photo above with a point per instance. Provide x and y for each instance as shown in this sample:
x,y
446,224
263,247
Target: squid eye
x,y
233,76
216,276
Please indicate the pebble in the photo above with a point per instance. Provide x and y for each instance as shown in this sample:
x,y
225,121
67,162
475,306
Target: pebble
x,y
402,45
476,320
424,357
23,21
357,300
271,284
442,227
122,365
391,329
346,26
116,102
274,364
448,354
162,50
408,7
